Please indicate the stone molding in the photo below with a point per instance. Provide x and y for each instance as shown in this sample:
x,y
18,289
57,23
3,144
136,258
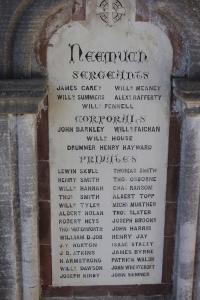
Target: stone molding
x,y
186,270
21,96
187,93
28,194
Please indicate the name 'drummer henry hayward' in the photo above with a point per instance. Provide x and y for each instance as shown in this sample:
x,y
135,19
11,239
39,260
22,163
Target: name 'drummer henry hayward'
x,y
92,56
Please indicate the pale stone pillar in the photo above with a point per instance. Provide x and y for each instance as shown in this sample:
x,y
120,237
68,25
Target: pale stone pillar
x,y
197,264
10,287
27,172
189,189
19,253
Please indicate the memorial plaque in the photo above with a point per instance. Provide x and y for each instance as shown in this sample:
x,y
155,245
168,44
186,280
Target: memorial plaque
x,y
109,100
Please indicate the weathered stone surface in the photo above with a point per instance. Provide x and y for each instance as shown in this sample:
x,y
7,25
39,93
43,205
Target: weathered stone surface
x,y
9,244
188,193
63,113
21,24
27,165
18,221
187,93
21,96
197,264
20,28
114,298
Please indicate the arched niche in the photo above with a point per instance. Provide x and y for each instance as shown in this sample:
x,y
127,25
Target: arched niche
x,y
60,67
33,23
30,29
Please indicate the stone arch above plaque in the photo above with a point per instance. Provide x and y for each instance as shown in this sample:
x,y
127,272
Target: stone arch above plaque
x,y
109,116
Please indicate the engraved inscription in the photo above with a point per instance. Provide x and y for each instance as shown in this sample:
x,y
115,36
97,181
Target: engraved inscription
x,y
108,134
111,11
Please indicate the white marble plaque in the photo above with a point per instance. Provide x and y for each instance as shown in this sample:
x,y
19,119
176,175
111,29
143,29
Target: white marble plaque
x,y
109,99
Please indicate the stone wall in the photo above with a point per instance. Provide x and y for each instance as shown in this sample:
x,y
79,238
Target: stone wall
x,y
21,24
25,27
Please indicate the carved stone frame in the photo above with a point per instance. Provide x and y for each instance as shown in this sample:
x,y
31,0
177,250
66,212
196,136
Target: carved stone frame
x,y
23,45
